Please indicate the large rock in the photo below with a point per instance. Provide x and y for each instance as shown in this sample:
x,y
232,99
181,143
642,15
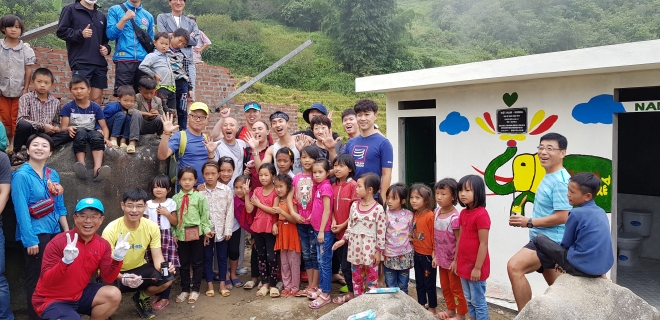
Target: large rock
x,y
388,306
584,298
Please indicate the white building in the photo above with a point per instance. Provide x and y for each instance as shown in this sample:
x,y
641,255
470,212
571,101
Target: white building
x,y
456,120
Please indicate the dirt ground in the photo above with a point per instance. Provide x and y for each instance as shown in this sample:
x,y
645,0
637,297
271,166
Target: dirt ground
x,y
244,304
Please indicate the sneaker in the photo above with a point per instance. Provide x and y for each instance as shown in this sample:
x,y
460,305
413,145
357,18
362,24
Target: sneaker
x,y
143,307
242,271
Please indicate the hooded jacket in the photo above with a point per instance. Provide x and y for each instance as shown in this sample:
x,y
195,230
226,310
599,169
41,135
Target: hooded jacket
x,y
73,20
128,48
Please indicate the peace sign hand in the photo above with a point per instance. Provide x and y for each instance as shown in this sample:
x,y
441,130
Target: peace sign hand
x,y
122,247
70,251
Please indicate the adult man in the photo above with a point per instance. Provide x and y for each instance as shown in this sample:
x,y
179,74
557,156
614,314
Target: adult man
x,y
252,111
229,146
70,260
128,50
279,121
169,22
349,121
83,26
198,148
371,150
309,114
203,43
136,274
5,179
550,212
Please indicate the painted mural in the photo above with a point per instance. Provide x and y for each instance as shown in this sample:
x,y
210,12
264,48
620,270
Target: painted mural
x,y
528,173
454,124
599,109
538,124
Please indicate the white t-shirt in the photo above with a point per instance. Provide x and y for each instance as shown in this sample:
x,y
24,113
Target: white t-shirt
x,y
235,152
152,212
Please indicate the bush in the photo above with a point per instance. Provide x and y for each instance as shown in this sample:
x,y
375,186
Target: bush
x,y
305,14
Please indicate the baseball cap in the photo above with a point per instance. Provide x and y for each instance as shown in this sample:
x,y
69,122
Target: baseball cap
x,y
251,105
316,106
199,106
90,203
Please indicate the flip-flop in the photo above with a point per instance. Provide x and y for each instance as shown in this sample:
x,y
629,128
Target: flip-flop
x,y
210,293
160,304
342,299
274,292
248,285
102,174
316,305
80,170
229,285
225,293
237,282
193,297
263,291
183,296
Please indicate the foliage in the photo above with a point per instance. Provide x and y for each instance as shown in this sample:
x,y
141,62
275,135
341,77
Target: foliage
x,y
305,14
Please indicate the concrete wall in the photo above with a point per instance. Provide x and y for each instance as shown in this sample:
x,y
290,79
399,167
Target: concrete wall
x,y
472,148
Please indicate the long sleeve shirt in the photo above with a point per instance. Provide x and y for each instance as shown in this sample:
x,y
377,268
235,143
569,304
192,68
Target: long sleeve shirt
x,y
196,213
127,46
73,20
39,113
61,282
158,63
588,240
221,209
142,105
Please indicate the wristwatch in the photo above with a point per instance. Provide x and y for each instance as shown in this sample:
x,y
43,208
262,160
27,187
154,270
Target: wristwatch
x,y
529,223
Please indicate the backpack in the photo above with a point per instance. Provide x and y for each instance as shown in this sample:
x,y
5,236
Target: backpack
x,y
174,164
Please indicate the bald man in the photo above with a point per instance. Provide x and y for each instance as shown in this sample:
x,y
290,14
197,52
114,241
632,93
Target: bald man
x,y
229,146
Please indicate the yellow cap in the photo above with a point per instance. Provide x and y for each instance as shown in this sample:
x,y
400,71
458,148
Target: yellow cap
x,y
198,106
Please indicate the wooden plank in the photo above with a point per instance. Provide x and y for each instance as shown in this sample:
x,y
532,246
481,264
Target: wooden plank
x,y
39,32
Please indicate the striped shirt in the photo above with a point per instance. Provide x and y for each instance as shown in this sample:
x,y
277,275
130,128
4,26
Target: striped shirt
x,y
37,112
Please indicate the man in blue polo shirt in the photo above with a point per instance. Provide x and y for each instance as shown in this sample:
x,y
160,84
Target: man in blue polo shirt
x,y
550,213
371,151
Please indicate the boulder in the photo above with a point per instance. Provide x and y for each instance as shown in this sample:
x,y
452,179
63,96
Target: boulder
x,y
388,306
585,298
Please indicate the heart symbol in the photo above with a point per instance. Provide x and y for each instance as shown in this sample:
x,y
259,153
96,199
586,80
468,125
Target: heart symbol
x,y
510,99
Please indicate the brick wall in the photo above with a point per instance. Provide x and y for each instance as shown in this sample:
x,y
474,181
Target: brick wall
x,y
213,84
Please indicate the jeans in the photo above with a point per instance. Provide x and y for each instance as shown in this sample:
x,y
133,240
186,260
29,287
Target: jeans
x,y
425,277
182,104
221,253
116,124
308,246
5,311
342,253
397,278
475,294
324,259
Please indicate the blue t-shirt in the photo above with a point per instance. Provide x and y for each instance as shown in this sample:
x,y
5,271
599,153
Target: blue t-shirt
x,y
371,154
195,154
551,196
588,240
82,117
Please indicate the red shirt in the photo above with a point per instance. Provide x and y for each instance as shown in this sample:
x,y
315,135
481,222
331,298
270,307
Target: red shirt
x,y
61,282
471,222
344,195
263,221
423,232
255,171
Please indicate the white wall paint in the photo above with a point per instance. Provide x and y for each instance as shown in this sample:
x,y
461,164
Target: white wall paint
x,y
456,154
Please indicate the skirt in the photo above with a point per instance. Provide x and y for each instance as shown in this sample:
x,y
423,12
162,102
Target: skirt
x,y
403,262
168,247
287,237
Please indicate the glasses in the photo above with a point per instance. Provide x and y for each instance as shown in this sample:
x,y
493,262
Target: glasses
x,y
548,149
134,206
85,218
197,118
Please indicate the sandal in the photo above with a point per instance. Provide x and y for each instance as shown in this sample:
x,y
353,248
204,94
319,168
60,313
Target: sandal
x,y
160,304
225,293
302,293
237,282
19,158
229,285
248,285
342,299
114,144
130,148
183,296
102,173
274,292
313,293
293,293
123,146
193,297
263,291
316,304
210,293
80,170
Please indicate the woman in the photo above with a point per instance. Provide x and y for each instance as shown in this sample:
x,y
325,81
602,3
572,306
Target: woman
x,y
39,207
258,142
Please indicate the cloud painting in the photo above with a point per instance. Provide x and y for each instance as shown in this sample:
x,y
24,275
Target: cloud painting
x,y
599,109
454,124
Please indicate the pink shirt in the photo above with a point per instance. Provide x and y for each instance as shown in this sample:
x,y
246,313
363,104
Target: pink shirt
x,y
399,226
323,189
444,239
471,222
304,191
263,222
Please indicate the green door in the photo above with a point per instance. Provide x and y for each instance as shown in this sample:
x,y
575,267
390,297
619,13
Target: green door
x,y
420,133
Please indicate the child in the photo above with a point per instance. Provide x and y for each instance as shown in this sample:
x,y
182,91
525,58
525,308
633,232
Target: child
x,y
284,159
344,194
221,212
446,232
288,242
80,116
303,187
15,59
179,63
421,203
193,224
265,200
471,262
157,64
38,111
365,234
144,117
115,116
398,250
242,194
586,249
162,210
321,222
227,168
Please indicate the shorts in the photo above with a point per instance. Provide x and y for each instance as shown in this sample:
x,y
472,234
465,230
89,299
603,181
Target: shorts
x,y
545,261
72,310
146,271
97,75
